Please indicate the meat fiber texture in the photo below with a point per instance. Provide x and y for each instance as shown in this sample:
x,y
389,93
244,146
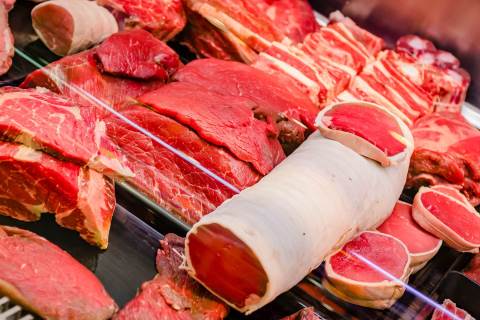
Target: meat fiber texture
x,y
33,183
172,294
309,205
304,314
446,152
45,121
48,281
168,179
277,103
163,18
6,39
243,23
109,78
70,26
221,120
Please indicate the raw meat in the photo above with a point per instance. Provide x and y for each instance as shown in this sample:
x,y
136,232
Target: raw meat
x,y
70,26
45,279
163,18
222,120
353,272
9,4
294,18
449,305
421,245
278,103
241,22
366,128
414,45
473,269
450,218
33,183
138,55
6,39
165,177
172,294
446,152
45,121
275,231
304,314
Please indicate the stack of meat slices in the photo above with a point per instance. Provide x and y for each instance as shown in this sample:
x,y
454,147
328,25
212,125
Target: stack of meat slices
x,y
53,157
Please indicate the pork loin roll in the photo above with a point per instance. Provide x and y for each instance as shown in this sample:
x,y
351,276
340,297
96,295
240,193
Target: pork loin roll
x,y
264,240
70,26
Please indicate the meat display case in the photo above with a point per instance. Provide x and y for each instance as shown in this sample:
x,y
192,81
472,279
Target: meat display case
x,y
139,222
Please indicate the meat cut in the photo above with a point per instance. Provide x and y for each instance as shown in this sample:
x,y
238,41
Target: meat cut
x,y
172,294
164,19
138,55
84,77
449,217
37,118
368,129
222,120
168,179
270,253
48,281
6,39
33,183
454,312
294,18
446,152
304,314
276,103
368,270
422,246
70,26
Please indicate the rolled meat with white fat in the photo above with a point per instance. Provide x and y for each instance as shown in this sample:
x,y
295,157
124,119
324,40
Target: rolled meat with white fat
x,y
70,26
264,240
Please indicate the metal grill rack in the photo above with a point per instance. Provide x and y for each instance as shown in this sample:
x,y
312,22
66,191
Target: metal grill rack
x,y
12,311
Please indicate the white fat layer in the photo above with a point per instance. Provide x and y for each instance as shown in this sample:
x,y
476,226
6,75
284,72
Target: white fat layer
x,y
307,207
27,154
92,23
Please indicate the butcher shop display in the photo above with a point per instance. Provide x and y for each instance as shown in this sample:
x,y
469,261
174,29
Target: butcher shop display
x,y
70,26
315,169
172,294
48,281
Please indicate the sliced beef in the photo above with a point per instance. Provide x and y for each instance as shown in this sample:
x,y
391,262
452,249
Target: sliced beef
x,y
164,18
276,102
87,77
294,18
222,120
446,152
172,294
45,121
45,279
33,182
138,55
304,314
170,180
67,27
6,39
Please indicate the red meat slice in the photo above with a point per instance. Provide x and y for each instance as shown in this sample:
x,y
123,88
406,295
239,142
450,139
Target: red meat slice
x,y
172,294
294,18
6,39
304,314
278,103
137,54
164,18
48,281
221,120
421,244
446,152
448,218
33,183
45,121
165,177
449,305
